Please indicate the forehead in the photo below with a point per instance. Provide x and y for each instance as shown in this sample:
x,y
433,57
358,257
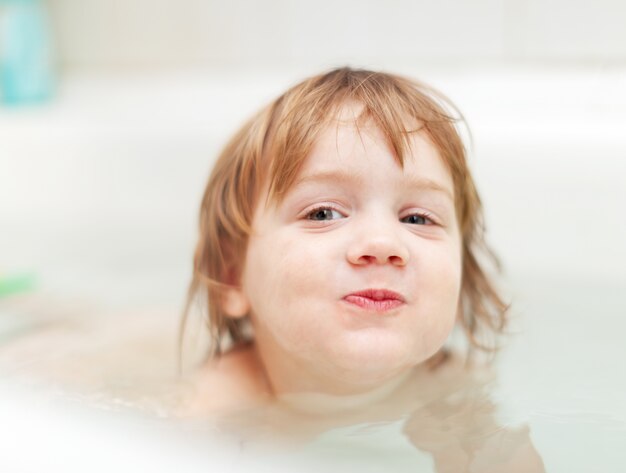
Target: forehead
x,y
352,149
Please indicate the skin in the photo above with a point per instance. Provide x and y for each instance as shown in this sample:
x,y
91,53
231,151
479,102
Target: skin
x,y
353,220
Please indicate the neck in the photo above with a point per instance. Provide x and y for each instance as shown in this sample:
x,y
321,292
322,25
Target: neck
x,y
305,389
321,402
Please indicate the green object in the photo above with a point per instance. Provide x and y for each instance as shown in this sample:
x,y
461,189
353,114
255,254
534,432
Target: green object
x,y
16,284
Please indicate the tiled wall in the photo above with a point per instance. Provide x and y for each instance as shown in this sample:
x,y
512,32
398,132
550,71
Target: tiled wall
x,y
106,33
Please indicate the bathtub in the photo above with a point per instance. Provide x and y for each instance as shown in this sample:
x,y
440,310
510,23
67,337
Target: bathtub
x,y
99,192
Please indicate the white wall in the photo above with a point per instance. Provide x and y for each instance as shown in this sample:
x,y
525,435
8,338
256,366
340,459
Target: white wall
x,y
248,33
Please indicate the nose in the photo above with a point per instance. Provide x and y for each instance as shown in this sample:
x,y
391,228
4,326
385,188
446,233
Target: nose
x,y
377,246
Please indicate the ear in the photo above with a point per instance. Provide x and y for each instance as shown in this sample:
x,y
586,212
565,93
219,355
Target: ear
x,y
235,302
233,298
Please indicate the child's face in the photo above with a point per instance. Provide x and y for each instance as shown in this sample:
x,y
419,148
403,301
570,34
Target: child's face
x,y
355,275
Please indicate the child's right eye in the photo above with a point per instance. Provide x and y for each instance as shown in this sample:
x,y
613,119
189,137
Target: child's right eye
x,y
324,213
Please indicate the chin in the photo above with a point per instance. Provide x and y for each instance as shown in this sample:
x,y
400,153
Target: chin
x,y
377,359
383,354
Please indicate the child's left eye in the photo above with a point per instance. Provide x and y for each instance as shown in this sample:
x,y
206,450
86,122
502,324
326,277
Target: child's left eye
x,y
323,213
417,219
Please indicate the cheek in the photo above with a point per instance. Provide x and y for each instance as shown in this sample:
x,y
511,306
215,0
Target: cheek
x,y
439,269
282,264
441,289
281,278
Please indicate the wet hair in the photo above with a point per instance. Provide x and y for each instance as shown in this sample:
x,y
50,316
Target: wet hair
x,y
270,149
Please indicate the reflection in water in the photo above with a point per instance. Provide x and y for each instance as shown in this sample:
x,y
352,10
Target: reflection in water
x,y
448,425
441,420
463,436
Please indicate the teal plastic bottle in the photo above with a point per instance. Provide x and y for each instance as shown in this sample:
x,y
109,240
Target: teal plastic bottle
x,y
26,61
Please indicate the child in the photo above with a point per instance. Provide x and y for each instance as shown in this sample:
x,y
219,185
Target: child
x,y
340,241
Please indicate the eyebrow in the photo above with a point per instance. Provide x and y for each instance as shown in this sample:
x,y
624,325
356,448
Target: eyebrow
x,y
330,176
342,177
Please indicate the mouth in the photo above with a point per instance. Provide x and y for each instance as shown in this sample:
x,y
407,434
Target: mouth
x,y
379,300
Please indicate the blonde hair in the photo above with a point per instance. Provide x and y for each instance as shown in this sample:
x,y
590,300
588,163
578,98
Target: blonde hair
x,y
271,148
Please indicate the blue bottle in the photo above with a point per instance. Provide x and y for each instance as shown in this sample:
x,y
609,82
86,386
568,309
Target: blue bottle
x,y
26,63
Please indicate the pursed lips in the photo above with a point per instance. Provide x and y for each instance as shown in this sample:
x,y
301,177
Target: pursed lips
x,y
379,300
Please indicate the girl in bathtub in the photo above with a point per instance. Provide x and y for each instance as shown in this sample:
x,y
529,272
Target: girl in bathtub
x,y
341,241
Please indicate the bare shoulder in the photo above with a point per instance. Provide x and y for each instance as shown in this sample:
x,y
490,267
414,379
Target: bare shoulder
x,y
235,380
